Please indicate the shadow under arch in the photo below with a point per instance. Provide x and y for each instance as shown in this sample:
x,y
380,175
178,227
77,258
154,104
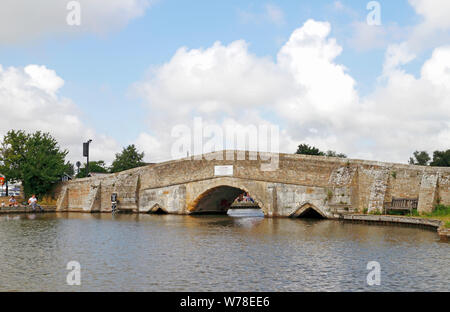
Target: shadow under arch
x,y
157,209
308,210
218,199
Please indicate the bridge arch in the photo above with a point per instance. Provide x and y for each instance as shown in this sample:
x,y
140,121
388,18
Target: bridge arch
x,y
308,210
218,198
157,209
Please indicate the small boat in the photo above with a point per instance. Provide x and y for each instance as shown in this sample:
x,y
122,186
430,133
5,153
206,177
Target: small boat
x,y
245,212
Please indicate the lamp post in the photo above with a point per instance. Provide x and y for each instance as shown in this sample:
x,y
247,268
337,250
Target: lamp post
x,y
86,154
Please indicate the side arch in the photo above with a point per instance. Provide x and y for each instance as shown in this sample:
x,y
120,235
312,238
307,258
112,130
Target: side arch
x,y
157,209
308,210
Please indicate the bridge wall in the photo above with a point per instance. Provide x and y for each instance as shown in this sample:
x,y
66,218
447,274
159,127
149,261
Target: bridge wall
x,y
326,183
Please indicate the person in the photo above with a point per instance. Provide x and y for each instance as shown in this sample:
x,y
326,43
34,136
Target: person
x,y
248,198
33,203
13,202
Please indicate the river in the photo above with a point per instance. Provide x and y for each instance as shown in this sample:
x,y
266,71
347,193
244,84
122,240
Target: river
x,y
215,253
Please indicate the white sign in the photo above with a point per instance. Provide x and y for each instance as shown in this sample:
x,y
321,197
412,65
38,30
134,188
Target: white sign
x,y
223,170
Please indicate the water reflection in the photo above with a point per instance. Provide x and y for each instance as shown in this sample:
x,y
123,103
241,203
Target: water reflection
x,y
214,253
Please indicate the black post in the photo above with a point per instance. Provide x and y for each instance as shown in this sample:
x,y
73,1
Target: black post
x,y
86,154
6,193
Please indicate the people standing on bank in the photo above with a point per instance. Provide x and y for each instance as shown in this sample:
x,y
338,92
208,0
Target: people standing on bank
x,y
33,203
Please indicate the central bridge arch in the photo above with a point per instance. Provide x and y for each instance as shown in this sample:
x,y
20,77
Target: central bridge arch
x,y
218,196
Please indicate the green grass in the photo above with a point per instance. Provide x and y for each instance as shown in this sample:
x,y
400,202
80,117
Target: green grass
x,y
441,212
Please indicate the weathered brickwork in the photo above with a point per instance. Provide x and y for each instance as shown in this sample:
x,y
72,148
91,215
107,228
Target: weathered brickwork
x,y
326,184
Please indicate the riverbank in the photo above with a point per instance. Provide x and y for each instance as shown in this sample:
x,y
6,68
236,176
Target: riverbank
x,y
25,209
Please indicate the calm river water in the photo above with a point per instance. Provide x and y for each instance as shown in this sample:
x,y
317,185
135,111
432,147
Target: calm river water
x,y
215,253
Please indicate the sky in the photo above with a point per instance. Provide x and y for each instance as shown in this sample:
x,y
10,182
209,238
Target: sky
x,y
370,79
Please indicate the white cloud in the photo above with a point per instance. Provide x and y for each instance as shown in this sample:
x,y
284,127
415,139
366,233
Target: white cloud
x,y
410,113
397,55
435,13
151,147
435,25
368,37
214,82
22,20
309,57
310,96
29,101
431,31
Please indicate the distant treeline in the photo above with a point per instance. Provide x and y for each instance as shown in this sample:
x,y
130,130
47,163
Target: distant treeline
x,y
305,149
37,161
422,158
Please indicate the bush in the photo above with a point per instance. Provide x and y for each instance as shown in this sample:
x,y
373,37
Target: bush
x,y
440,210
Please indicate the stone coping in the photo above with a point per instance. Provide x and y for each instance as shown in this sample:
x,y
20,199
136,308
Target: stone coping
x,y
282,156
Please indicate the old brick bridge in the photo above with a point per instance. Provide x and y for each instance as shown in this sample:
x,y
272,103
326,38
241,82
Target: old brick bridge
x,y
301,185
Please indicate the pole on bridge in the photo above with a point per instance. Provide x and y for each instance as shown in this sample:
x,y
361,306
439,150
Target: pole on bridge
x,y
86,154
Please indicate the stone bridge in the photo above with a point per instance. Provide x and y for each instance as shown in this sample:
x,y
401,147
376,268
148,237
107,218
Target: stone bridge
x,y
300,185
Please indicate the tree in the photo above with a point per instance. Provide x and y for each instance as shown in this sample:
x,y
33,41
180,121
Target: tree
x,y
70,169
305,149
12,154
419,158
441,158
33,159
335,154
98,166
128,159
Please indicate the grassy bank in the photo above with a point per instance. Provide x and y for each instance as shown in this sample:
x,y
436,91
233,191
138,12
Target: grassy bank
x,y
441,212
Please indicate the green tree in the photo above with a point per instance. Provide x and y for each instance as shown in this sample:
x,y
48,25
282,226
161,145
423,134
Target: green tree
x,y
441,158
419,158
33,159
128,159
12,155
305,149
98,166
335,154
